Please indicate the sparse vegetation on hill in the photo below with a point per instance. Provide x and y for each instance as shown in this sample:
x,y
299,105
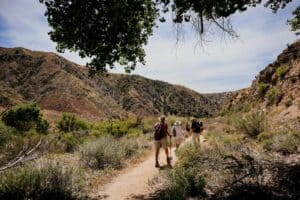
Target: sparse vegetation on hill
x,y
59,85
275,88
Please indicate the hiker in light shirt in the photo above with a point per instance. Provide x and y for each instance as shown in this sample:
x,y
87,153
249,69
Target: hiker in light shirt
x,y
177,133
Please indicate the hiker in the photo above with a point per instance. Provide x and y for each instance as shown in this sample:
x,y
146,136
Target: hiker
x,y
177,134
197,128
160,136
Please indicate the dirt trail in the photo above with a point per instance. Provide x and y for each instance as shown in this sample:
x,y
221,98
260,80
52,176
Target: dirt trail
x,y
134,182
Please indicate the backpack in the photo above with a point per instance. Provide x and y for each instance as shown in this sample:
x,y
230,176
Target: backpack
x,y
159,132
197,127
174,132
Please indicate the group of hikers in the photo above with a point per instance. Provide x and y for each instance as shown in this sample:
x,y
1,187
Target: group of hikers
x,y
177,134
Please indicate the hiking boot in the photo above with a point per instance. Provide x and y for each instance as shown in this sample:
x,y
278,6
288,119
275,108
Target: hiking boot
x,y
157,165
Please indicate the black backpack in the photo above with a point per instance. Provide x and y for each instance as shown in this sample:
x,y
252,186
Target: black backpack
x,y
197,127
174,132
159,132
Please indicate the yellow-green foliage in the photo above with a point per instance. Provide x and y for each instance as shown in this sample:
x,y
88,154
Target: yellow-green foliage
x,y
271,95
117,128
280,72
251,124
70,122
262,89
40,182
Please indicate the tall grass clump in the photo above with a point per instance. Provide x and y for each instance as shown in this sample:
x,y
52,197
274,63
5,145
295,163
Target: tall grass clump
x,y
40,182
285,141
6,134
251,124
108,152
182,183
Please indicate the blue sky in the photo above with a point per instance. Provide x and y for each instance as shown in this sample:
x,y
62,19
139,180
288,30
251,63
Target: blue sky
x,y
221,65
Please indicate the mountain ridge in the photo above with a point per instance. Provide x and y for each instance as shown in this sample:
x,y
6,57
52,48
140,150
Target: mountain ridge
x,y
59,85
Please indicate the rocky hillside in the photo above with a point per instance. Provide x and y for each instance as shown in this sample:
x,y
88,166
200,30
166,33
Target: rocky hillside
x,y
275,89
59,85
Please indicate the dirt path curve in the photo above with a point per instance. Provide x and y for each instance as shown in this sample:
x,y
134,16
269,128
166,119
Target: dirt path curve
x,y
135,181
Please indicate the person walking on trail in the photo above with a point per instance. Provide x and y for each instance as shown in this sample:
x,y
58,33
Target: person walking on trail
x,y
177,134
160,136
197,128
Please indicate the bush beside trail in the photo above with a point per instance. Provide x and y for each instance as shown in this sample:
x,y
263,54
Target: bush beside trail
x,y
109,152
46,181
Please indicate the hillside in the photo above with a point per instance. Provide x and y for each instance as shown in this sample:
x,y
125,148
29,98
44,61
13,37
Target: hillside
x,y
275,89
59,85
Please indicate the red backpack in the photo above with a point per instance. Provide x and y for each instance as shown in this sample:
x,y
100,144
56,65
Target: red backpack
x,y
159,132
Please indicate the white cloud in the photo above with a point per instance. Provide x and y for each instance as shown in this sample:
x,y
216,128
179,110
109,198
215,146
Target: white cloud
x,y
219,67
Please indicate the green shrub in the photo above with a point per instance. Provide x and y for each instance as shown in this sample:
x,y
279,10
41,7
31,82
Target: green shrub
x,y
271,95
25,117
69,122
262,89
42,126
70,141
130,147
182,183
39,182
280,72
117,128
251,124
108,152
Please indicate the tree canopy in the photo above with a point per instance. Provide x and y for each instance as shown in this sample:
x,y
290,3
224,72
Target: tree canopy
x,y
116,31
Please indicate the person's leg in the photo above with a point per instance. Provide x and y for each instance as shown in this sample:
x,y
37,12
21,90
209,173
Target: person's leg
x,y
167,155
156,157
164,143
194,138
157,148
198,138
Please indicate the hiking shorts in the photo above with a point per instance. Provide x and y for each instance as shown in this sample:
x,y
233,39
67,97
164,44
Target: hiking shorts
x,y
161,143
196,135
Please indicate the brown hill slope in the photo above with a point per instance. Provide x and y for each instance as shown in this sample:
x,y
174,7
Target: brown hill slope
x,y
59,85
276,88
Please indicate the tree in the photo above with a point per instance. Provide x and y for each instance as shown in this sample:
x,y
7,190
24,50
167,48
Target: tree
x,y
25,117
295,21
108,31
115,31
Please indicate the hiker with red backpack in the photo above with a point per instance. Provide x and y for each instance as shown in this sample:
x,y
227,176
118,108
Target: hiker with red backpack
x,y
197,128
160,135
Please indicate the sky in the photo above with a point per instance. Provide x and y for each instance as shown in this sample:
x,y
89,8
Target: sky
x,y
217,66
